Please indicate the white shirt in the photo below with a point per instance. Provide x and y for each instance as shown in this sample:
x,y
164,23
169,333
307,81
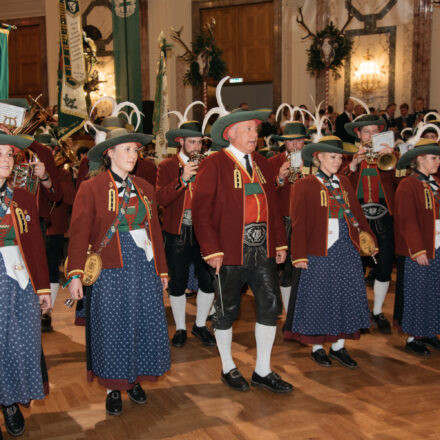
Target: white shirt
x,y
239,155
333,183
183,157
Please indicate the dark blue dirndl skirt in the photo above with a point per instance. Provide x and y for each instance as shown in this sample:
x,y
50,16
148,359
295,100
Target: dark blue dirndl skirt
x,y
421,308
20,342
127,335
332,300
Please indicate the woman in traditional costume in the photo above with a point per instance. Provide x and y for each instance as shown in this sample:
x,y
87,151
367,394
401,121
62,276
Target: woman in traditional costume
x,y
24,286
116,214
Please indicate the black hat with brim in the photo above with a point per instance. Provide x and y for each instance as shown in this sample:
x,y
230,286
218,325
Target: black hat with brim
x,y
187,129
20,142
292,130
363,121
221,126
115,137
424,146
327,144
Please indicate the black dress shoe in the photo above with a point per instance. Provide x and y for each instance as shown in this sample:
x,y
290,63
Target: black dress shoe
x,y
235,380
46,323
271,382
179,338
321,358
137,395
417,347
14,420
113,403
343,358
382,323
204,334
432,342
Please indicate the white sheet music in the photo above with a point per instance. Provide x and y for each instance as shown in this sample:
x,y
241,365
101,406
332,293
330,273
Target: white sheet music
x,y
11,115
382,140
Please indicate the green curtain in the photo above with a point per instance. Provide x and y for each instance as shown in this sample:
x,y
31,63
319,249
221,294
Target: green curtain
x,y
4,64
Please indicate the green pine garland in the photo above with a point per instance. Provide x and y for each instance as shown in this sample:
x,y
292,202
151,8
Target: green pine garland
x,y
342,48
217,66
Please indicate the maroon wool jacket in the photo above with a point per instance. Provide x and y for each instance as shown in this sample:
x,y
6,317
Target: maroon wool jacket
x,y
92,217
310,217
46,197
170,193
414,219
83,171
284,191
147,170
218,210
29,238
58,223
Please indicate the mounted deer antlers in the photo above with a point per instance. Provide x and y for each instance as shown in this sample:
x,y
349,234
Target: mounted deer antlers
x,y
175,34
300,21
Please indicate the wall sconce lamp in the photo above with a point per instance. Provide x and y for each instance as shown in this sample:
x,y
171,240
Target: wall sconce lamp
x,y
367,77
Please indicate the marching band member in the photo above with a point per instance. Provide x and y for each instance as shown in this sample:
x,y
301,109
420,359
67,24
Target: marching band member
x,y
375,190
24,290
417,228
175,191
127,337
241,235
293,137
331,303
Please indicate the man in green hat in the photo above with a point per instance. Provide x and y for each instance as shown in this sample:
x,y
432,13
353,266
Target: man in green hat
x,y
375,191
176,179
242,237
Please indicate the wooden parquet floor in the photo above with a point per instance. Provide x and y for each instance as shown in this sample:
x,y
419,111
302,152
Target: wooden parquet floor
x,y
392,395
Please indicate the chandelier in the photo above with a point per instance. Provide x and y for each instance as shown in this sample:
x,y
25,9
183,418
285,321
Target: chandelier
x,y
368,76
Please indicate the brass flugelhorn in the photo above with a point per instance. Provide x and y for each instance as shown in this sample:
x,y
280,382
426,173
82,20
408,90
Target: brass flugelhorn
x,y
385,162
295,171
196,156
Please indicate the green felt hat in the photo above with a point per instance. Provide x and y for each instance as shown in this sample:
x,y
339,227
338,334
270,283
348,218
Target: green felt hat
x,y
46,139
186,129
292,130
113,138
221,126
327,144
19,142
423,146
363,121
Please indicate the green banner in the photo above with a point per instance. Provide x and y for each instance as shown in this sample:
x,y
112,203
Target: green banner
x,y
4,64
127,51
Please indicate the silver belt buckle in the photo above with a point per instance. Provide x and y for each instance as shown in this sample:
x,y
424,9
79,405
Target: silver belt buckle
x,y
187,217
254,234
374,211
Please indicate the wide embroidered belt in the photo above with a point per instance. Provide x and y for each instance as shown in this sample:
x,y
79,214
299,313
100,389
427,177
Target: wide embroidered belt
x,y
374,211
187,217
255,234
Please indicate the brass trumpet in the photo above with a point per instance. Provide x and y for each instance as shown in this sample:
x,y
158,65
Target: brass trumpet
x,y
295,171
195,156
385,162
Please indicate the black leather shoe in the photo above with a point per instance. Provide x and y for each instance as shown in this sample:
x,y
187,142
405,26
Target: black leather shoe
x,y
382,323
271,382
137,395
431,342
343,358
14,420
235,380
46,323
417,347
113,403
179,338
204,334
321,358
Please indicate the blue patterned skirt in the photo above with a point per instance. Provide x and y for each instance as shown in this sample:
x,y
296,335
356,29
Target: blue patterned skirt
x,y
421,308
332,300
127,335
20,342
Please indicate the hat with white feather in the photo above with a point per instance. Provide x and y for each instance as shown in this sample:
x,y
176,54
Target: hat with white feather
x,y
292,129
352,128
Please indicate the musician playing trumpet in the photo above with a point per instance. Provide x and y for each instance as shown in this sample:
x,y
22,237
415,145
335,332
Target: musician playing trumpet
x,y
375,190
175,189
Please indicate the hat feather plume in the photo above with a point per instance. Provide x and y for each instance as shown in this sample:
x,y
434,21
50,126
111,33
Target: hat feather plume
x,y
363,104
220,109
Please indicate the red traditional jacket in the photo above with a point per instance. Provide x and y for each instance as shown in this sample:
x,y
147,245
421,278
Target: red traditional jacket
x,y
93,213
83,171
414,219
283,191
45,197
147,170
310,214
387,180
170,193
218,208
58,223
29,239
